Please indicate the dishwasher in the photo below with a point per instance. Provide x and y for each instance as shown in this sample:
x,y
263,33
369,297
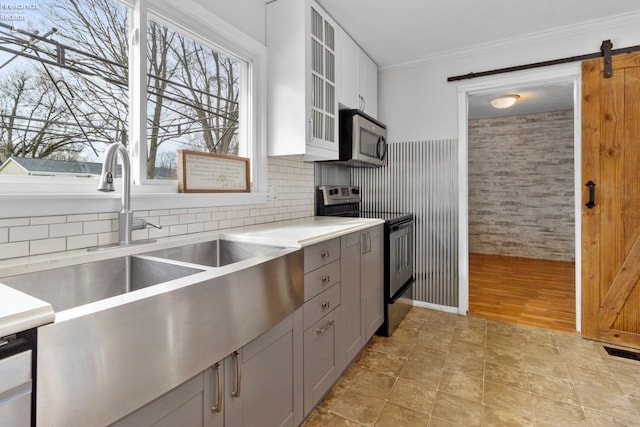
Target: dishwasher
x,y
15,381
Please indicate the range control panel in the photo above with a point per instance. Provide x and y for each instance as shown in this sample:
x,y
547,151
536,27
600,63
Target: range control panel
x,y
339,195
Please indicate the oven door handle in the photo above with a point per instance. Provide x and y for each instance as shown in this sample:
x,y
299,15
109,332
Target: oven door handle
x,y
401,291
401,226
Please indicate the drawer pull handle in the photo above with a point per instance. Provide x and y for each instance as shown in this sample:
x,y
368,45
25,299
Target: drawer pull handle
x,y
324,254
326,279
325,305
236,392
217,368
325,327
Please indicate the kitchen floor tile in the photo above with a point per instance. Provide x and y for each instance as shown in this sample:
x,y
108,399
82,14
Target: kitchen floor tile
x,y
373,384
355,406
553,388
457,410
504,418
393,416
505,375
381,362
462,385
385,345
413,396
441,369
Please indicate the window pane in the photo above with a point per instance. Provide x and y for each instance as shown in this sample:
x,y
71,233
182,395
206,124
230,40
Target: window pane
x,y
192,100
63,85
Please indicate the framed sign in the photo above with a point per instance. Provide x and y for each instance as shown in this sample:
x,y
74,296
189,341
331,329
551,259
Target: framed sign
x,y
200,172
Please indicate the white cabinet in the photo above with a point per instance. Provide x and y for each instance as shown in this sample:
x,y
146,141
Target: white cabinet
x,y
357,81
368,84
302,100
362,288
260,384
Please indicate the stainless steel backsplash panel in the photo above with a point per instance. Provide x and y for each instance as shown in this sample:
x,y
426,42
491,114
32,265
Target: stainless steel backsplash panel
x,y
422,178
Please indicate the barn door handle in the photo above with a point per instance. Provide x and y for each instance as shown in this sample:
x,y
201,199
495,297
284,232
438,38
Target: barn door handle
x,y
592,194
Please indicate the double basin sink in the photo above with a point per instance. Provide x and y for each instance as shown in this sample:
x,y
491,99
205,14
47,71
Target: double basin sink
x,y
130,328
76,285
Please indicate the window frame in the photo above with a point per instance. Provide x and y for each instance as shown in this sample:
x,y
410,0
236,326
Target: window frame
x,y
24,196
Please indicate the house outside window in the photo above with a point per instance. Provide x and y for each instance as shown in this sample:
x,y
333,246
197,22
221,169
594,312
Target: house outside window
x,y
72,82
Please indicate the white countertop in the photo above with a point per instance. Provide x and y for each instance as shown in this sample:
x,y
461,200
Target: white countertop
x,y
19,312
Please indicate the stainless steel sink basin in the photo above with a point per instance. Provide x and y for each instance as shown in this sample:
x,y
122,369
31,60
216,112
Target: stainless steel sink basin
x,y
76,285
215,253
115,351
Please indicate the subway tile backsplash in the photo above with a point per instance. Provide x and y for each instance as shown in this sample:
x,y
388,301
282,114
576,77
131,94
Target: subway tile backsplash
x,y
291,195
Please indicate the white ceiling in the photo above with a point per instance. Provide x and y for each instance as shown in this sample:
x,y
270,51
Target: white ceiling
x,y
395,32
553,97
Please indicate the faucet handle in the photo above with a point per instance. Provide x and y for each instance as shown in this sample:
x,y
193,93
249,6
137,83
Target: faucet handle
x,y
159,227
141,223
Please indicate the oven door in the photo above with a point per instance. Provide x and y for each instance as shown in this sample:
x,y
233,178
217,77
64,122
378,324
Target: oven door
x,y
400,259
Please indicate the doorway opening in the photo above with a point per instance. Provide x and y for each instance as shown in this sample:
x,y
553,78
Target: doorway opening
x,y
520,221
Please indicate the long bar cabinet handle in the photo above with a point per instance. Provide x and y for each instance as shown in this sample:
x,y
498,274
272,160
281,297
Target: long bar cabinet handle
x,y
217,370
236,392
322,330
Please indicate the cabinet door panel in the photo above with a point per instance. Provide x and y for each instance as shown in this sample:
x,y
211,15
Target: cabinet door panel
x,y
373,271
266,380
320,372
181,406
351,299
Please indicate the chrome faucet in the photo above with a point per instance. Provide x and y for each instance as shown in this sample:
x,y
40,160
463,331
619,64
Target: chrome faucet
x,y
126,222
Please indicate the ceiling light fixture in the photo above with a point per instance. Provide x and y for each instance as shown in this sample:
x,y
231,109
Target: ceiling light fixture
x,y
505,101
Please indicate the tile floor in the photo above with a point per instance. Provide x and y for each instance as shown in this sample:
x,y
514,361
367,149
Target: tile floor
x,y
441,369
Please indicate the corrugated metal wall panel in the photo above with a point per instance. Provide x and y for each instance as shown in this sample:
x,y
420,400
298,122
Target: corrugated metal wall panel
x,y
421,178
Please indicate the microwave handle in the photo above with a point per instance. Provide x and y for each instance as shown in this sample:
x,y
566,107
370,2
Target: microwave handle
x,y
381,148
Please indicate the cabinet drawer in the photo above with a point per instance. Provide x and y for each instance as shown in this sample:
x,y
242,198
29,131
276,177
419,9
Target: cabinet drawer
x,y
320,305
321,254
321,279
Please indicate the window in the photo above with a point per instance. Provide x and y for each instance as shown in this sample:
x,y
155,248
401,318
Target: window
x,y
192,99
63,90
71,84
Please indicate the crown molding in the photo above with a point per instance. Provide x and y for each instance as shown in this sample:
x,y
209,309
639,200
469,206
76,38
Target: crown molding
x,y
519,41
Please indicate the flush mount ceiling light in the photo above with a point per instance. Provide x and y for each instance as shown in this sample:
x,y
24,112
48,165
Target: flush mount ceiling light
x,y
505,101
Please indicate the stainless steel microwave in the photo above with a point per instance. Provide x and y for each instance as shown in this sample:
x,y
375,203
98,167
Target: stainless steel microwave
x,y
363,140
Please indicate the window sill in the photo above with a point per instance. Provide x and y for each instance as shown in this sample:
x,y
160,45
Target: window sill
x,y
27,205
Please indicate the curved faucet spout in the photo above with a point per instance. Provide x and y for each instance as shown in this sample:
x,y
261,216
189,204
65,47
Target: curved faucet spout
x,y
125,218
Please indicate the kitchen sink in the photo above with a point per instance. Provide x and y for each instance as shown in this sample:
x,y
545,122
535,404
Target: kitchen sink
x,y
115,350
215,253
76,285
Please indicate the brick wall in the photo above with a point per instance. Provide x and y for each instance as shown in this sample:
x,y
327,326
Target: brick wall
x,y
521,186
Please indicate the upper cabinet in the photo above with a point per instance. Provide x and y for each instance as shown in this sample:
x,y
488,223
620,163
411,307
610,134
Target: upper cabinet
x,y
357,79
303,107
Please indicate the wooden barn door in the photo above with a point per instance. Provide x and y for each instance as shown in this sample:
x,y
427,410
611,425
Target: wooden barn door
x,y
611,228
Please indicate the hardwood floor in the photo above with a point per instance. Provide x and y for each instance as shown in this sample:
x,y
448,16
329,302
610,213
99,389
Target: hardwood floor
x,y
523,291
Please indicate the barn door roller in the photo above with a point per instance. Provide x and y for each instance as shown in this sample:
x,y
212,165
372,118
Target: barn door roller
x,y
606,52
605,48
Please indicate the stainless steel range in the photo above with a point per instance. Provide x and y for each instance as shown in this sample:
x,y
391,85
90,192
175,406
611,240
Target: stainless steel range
x,y
398,249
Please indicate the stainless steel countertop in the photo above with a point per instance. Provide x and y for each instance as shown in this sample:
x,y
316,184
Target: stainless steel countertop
x,y
19,312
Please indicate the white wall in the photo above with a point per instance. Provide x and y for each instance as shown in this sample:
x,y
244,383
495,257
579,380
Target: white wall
x,y
417,103
246,15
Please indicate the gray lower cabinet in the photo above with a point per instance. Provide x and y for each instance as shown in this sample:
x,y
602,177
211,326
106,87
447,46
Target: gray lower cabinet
x,y
323,360
260,384
362,288
352,297
373,280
